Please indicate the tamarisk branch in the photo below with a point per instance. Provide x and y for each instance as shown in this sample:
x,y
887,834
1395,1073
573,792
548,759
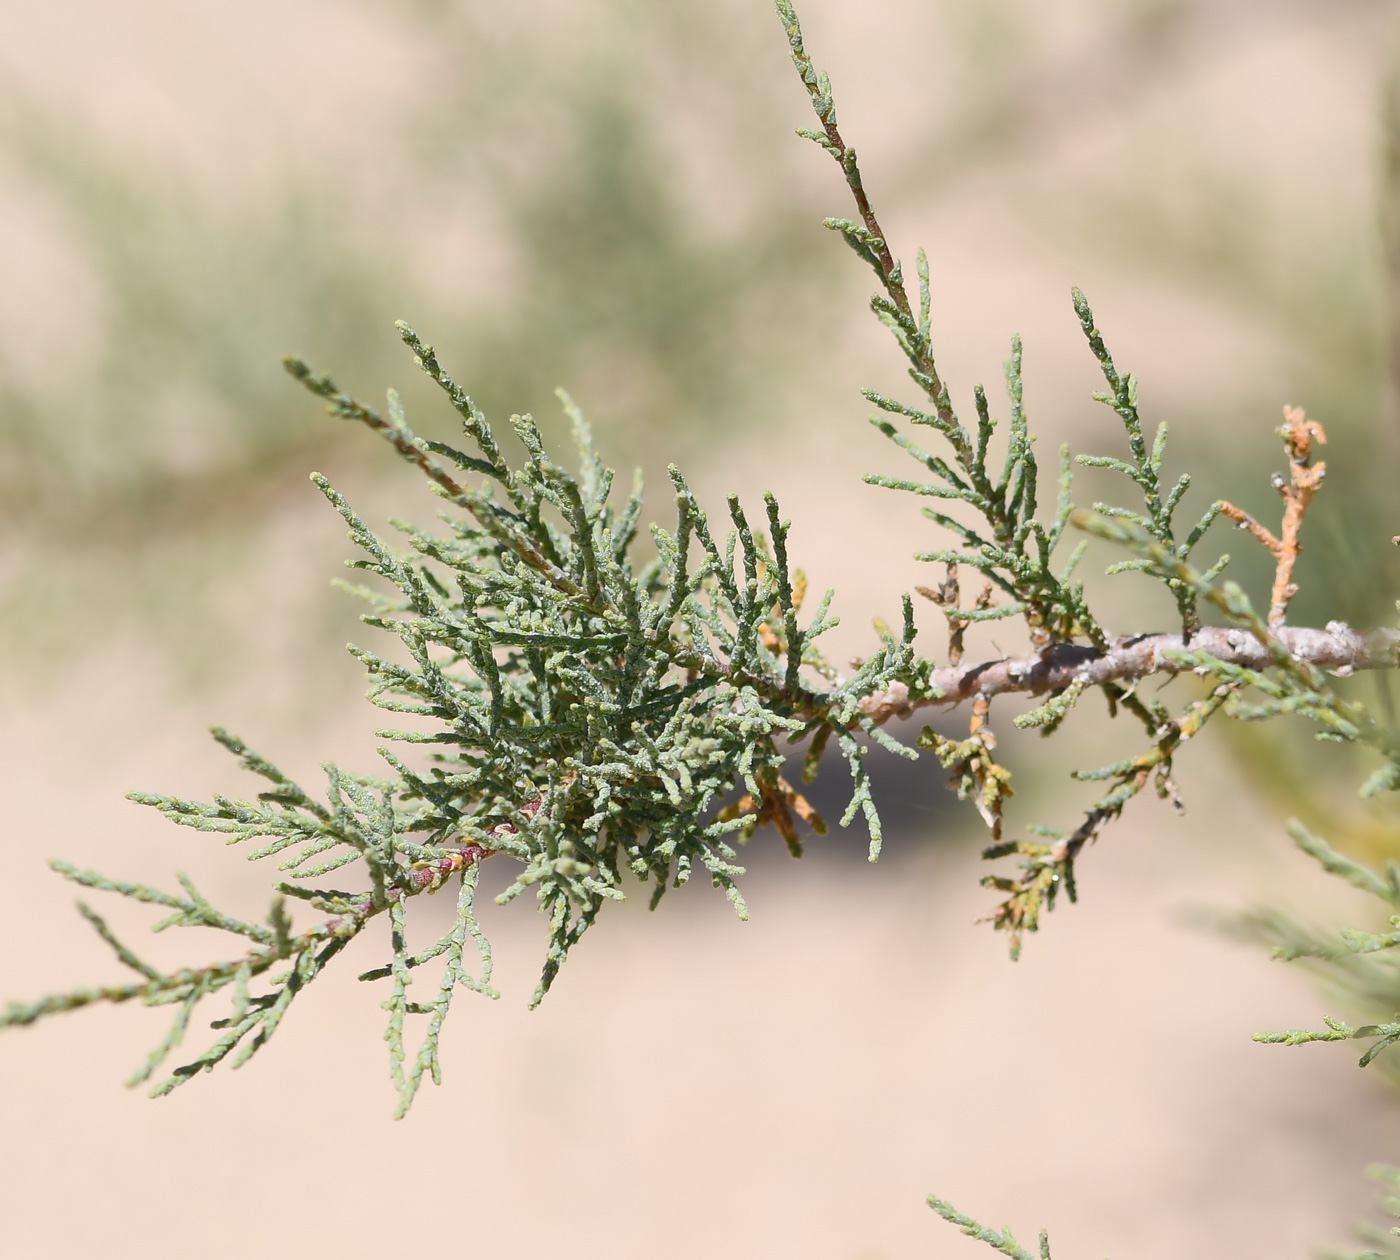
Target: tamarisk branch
x,y
605,702
1337,648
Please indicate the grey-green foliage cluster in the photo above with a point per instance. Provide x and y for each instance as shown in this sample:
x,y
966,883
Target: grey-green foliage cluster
x,y
1012,548
586,712
595,704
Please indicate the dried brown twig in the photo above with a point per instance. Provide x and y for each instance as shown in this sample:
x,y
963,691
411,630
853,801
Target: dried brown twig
x,y
778,802
1305,479
946,595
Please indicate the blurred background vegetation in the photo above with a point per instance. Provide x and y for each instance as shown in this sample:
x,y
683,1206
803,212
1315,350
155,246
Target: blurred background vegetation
x,y
607,195
529,197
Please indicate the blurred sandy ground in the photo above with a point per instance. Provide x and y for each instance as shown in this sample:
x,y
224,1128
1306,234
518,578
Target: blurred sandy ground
x,y
695,1086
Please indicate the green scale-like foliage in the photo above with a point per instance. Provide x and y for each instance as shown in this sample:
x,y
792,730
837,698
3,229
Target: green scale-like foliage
x,y
583,712
590,706
583,702
590,709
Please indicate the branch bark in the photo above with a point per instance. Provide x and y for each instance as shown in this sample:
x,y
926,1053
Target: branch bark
x,y
1338,647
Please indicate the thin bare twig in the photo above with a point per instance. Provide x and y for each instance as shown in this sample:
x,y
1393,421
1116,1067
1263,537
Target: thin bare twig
x,y
946,595
1305,479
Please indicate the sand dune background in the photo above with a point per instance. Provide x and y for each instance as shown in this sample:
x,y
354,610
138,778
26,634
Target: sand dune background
x,y
694,1086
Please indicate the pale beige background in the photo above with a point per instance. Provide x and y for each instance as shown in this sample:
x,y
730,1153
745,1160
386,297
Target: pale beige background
x,y
694,1086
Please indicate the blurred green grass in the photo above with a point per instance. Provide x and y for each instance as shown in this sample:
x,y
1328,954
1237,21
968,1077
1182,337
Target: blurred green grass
x,y
545,168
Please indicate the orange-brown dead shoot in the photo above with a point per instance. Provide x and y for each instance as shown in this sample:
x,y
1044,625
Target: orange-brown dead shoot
x,y
946,596
1305,479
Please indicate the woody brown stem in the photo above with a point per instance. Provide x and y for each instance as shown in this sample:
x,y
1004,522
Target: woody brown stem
x,y
1338,648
